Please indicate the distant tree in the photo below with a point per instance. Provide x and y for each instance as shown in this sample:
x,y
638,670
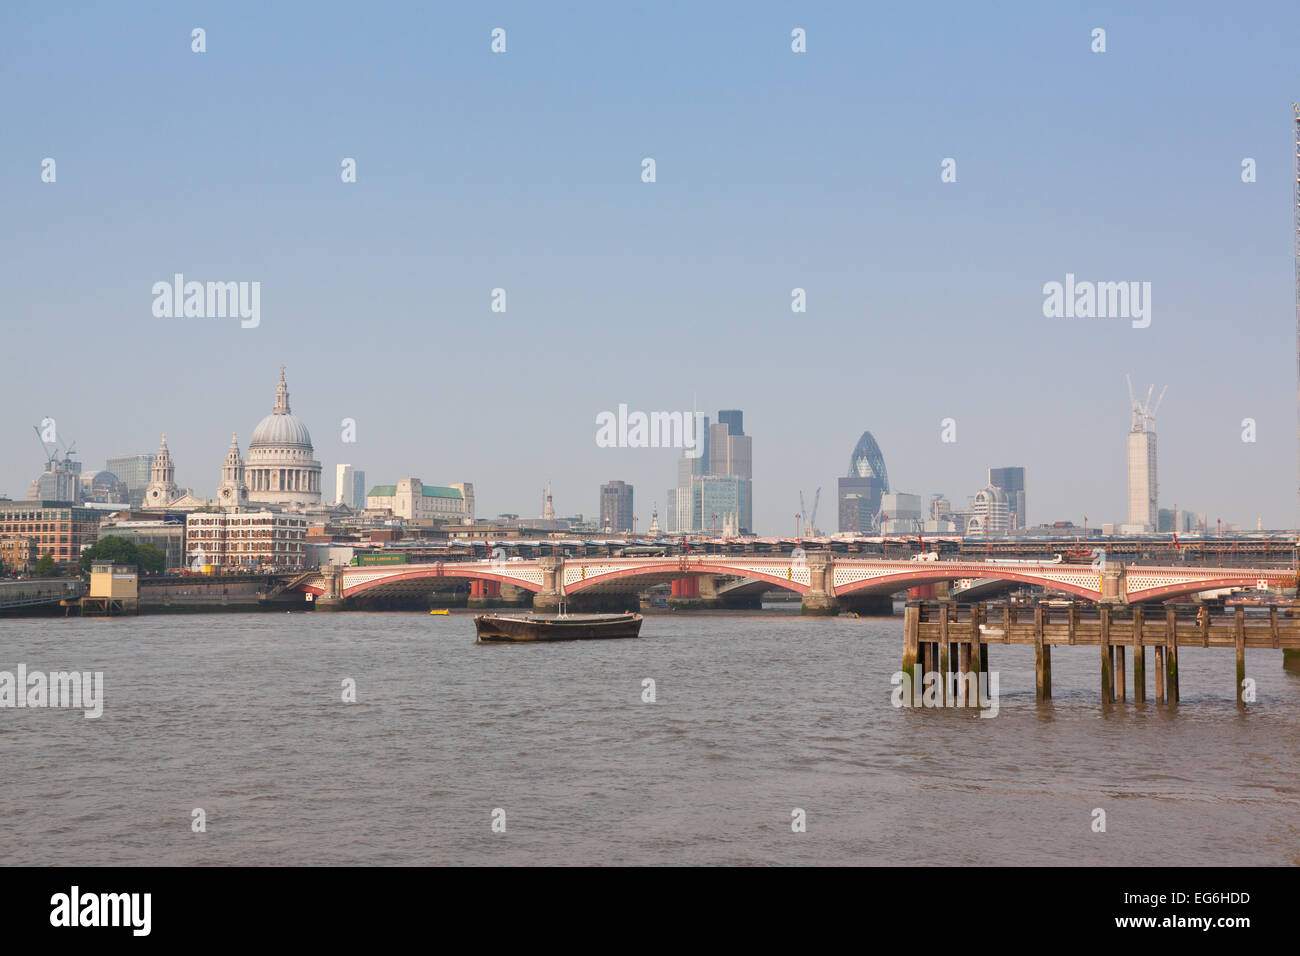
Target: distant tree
x,y
112,548
45,566
150,560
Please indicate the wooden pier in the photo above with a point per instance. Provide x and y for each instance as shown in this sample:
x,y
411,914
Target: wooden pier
x,y
932,628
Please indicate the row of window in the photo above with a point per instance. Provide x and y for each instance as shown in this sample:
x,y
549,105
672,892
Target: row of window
x,y
246,533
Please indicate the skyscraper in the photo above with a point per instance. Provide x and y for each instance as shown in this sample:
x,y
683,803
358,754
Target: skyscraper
x,y
861,490
616,506
1012,483
724,452
734,419
688,469
1143,511
349,487
731,455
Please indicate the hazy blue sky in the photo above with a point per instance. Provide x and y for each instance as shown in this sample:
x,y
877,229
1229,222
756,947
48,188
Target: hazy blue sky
x,y
775,170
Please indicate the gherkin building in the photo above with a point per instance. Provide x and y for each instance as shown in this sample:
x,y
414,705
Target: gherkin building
x,y
860,491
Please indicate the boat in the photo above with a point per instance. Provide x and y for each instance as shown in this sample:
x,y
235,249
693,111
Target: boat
x,y
517,628
442,610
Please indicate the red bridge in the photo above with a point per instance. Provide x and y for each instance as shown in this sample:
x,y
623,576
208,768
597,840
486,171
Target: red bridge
x,y
824,581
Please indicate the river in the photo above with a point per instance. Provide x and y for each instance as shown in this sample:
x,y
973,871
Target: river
x,y
757,716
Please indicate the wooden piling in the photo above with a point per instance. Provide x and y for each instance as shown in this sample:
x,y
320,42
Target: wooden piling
x,y
1107,664
944,649
963,667
1042,659
932,628
1159,662
1139,675
1171,665
1239,620
1121,691
911,640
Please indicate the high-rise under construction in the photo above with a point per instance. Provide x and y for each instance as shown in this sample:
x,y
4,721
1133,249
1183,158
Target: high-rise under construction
x,y
1143,510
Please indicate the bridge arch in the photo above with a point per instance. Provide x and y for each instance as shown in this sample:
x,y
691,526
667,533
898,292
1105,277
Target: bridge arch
x,y
672,569
935,573
454,571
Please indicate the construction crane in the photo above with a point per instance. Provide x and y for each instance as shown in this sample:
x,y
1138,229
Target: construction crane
x,y
810,517
52,456
1144,414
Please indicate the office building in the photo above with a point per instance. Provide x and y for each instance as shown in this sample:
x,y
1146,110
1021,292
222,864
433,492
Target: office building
x,y
734,419
415,501
616,507
1012,483
719,502
246,540
61,481
900,513
104,487
861,490
349,487
165,534
134,471
989,514
60,529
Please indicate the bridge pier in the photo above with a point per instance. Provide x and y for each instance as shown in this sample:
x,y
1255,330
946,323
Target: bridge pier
x,y
332,599
515,596
548,598
695,593
485,593
820,599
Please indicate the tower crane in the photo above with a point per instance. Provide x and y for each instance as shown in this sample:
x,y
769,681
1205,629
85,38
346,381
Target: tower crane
x,y
810,517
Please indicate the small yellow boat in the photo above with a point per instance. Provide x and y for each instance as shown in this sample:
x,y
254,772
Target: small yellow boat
x,y
440,611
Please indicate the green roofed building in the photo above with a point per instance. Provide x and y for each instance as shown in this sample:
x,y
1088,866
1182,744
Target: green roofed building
x,y
413,500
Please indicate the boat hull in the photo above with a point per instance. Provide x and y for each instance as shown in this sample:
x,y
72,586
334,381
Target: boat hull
x,y
521,628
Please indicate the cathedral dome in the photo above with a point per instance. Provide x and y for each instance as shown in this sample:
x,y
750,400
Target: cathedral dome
x,y
281,467
280,429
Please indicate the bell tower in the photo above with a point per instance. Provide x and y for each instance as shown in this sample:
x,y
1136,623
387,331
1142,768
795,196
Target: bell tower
x,y
161,490
232,493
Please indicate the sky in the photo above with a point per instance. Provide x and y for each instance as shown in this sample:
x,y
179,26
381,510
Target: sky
x,y
774,170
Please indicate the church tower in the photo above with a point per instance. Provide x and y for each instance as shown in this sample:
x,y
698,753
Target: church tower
x,y
232,493
161,490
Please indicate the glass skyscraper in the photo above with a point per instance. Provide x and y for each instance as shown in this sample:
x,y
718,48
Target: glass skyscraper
x,y
861,490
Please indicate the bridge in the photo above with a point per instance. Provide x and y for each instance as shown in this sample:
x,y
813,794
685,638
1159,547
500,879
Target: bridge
x,y
38,592
825,582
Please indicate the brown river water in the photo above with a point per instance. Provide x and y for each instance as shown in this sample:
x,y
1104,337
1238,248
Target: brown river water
x,y
756,715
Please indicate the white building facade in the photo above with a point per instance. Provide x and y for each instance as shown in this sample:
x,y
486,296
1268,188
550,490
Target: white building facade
x,y
246,540
413,500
